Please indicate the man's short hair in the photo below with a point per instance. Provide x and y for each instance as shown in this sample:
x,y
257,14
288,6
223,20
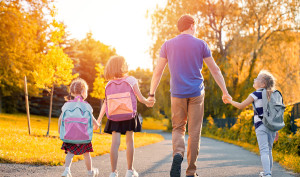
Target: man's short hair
x,y
184,22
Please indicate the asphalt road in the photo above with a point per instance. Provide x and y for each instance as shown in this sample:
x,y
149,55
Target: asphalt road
x,y
216,159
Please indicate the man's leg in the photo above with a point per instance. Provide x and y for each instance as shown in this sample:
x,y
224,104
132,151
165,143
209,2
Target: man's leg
x,y
179,119
195,119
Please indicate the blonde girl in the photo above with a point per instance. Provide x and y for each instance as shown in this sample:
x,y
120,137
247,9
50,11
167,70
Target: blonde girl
x,y
265,137
78,89
116,68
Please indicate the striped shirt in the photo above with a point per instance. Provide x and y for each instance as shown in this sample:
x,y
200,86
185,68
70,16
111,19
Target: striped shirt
x,y
258,103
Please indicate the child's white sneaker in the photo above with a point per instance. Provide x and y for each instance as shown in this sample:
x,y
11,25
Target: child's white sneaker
x,y
261,174
131,173
93,173
66,173
114,174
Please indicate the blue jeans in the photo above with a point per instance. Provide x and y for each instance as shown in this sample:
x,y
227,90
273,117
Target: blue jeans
x,y
265,139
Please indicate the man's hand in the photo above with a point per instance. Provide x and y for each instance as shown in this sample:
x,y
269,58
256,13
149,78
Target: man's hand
x,y
151,101
226,98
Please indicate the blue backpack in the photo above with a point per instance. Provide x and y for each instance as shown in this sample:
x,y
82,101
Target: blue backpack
x,y
77,122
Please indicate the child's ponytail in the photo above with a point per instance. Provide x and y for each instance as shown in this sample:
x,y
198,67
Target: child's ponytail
x,y
269,81
76,87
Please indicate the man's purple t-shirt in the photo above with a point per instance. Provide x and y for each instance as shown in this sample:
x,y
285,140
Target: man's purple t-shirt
x,y
185,55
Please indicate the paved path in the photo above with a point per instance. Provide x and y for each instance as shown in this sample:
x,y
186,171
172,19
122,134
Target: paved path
x,y
216,159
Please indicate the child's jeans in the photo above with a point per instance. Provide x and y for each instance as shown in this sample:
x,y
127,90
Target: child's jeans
x,y
265,139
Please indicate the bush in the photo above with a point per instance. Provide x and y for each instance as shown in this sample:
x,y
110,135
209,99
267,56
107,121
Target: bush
x,y
287,148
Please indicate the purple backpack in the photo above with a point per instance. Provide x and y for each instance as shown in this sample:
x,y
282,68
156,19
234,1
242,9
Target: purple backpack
x,y
121,102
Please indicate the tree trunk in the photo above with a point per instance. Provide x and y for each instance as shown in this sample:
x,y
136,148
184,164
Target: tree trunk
x,y
0,101
102,118
50,111
27,104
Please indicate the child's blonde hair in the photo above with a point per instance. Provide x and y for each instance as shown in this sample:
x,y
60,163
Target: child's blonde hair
x,y
76,87
115,68
268,79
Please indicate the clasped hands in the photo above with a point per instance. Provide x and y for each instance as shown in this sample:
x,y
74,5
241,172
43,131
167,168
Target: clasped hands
x,y
150,101
226,98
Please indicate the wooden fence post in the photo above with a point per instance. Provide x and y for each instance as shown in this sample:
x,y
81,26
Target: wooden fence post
x,y
102,118
27,105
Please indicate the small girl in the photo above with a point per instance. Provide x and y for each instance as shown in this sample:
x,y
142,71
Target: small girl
x,y
78,89
265,137
117,69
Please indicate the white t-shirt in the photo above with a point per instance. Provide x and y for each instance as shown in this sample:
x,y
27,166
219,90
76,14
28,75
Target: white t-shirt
x,y
131,80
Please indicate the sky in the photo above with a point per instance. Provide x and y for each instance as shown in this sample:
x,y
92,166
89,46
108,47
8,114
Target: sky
x,y
121,24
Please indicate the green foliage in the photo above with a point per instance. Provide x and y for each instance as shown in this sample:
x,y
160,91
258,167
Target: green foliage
x,y
99,84
244,131
87,53
55,68
242,36
23,35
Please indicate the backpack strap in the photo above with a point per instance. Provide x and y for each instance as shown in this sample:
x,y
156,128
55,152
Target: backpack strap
x,y
280,95
78,97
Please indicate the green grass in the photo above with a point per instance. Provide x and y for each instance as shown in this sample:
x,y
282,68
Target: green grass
x,y
17,146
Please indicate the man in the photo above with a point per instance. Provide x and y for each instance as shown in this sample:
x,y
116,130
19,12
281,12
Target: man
x,y
185,55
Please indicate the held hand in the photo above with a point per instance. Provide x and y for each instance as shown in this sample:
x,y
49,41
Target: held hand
x,y
96,126
226,98
151,101
276,136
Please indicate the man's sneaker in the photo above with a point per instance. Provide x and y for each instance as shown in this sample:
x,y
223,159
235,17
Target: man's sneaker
x,y
176,165
66,173
114,174
196,175
131,173
93,173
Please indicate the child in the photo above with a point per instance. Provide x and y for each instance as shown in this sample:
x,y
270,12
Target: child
x,y
115,71
78,89
265,137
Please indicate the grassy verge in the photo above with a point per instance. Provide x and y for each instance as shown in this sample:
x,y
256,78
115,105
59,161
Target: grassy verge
x,y
290,162
16,146
150,123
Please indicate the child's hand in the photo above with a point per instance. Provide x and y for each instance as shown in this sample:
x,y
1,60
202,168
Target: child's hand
x,y
96,127
226,99
276,136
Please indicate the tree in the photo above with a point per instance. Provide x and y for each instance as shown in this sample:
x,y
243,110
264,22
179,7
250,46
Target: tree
x,y
88,53
22,40
55,68
99,84
237,32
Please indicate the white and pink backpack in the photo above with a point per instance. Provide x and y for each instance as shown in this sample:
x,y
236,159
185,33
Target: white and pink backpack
x,y
121,102
76,122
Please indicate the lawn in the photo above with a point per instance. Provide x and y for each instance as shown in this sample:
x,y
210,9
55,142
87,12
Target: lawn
x,y
16,146
150,123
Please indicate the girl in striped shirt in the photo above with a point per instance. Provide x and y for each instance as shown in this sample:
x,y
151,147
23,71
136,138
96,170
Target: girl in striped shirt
x,y
265,137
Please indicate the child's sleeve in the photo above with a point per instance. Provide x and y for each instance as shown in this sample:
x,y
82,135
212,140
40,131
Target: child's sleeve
x,y
254,95
132,80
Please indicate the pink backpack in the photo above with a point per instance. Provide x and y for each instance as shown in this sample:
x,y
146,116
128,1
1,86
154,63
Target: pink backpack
x,y
121,102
